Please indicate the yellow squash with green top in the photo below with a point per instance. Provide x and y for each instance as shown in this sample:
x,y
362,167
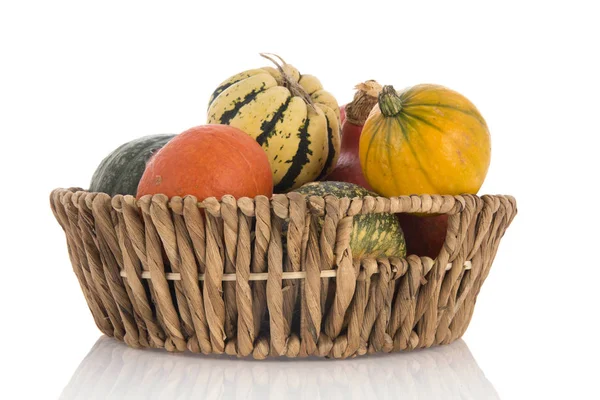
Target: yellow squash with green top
x,y
425,140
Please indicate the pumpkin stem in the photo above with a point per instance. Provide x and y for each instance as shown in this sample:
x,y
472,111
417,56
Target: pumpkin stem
x,y
365,98
389,101
289,83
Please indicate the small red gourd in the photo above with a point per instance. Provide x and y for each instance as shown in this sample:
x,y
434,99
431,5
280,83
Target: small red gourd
x,y
425,234
348,167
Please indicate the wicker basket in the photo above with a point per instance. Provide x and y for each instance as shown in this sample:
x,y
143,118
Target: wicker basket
x,y
162,273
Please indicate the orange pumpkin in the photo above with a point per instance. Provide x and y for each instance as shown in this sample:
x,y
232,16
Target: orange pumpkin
x,y
207,161
426,140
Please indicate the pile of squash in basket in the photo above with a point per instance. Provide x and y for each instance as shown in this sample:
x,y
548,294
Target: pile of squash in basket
x,y
274,130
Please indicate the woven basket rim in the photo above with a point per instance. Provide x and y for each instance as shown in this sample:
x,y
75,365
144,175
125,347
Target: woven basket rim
x,y
75,189
210,202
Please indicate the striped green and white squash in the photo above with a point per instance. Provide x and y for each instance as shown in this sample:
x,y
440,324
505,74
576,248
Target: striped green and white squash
x,y
290,115
373,235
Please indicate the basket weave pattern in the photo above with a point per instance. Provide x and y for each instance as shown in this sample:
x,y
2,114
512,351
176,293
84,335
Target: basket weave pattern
x,y
214,276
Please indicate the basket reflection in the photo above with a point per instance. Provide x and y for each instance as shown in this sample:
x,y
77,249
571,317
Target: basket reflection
x,y
112,370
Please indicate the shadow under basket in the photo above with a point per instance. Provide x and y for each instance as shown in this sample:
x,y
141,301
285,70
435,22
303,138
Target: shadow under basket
x,y
214,276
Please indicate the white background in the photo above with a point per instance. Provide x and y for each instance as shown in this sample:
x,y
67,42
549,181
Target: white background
x,y
78,79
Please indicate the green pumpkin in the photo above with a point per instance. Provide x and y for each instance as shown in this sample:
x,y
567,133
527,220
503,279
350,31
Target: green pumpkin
x,y
373,235
120,172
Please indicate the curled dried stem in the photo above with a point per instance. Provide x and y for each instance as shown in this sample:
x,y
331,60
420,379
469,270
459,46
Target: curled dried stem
x,y
291,84
364,100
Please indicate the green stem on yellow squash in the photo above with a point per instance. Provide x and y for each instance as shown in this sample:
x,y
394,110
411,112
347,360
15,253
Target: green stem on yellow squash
x,y
389,101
